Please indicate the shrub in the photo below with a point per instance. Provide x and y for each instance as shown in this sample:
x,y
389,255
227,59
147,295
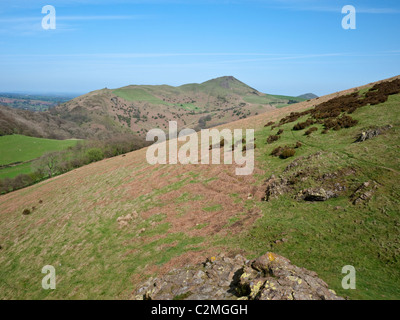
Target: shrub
x,y
277,152
338,123
298,144
303,125
269,124
311,130
293,116
287,152
273,138
26,212
95,154
279,132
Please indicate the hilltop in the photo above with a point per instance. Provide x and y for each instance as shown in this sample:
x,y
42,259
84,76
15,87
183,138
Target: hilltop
x,y
308,96
324,194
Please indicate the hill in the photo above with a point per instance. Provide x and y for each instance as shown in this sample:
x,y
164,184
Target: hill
x,y
135,109
140,108
109,226
308,96
53,125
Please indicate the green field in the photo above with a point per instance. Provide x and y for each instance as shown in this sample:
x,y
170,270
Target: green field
x,y
136,94
18,148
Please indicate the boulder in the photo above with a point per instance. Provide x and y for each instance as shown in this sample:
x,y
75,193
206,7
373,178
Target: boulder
x,y
372,133
364,192
316,194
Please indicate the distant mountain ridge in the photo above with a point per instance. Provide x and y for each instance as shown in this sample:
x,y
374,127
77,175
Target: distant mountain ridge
x,y
308,96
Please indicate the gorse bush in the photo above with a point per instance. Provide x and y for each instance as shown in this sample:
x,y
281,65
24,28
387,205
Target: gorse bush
x,y
277,151
332,113
283,152
287,153
273,138
303,125
339,123
298,145
311,130
269,124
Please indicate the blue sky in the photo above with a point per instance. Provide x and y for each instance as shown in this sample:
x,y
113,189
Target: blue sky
x,y
276,46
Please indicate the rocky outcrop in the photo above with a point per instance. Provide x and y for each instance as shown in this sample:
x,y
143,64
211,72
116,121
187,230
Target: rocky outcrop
x,y
372,133
316,194
270,277
275,187
364,192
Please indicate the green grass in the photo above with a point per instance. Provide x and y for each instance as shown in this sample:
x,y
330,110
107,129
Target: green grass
x,y
137,94
189,106
215,207
11,172
19,148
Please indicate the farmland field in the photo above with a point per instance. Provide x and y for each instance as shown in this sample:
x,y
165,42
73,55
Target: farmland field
x,y
18,148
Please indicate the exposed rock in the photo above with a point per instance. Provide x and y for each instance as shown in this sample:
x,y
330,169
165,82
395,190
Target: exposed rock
x,y
275,187
364,192
316,194
269,277
371,133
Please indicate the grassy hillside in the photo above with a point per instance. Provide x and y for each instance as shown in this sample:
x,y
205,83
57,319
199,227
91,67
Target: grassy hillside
x,y
108,226
325,236
18,148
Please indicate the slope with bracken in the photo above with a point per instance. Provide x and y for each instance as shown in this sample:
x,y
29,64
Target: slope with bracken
x,y
108,226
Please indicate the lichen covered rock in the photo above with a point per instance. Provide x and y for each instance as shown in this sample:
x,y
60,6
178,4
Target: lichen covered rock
x,y
269,277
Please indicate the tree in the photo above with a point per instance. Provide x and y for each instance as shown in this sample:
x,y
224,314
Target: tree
x,y
48,163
